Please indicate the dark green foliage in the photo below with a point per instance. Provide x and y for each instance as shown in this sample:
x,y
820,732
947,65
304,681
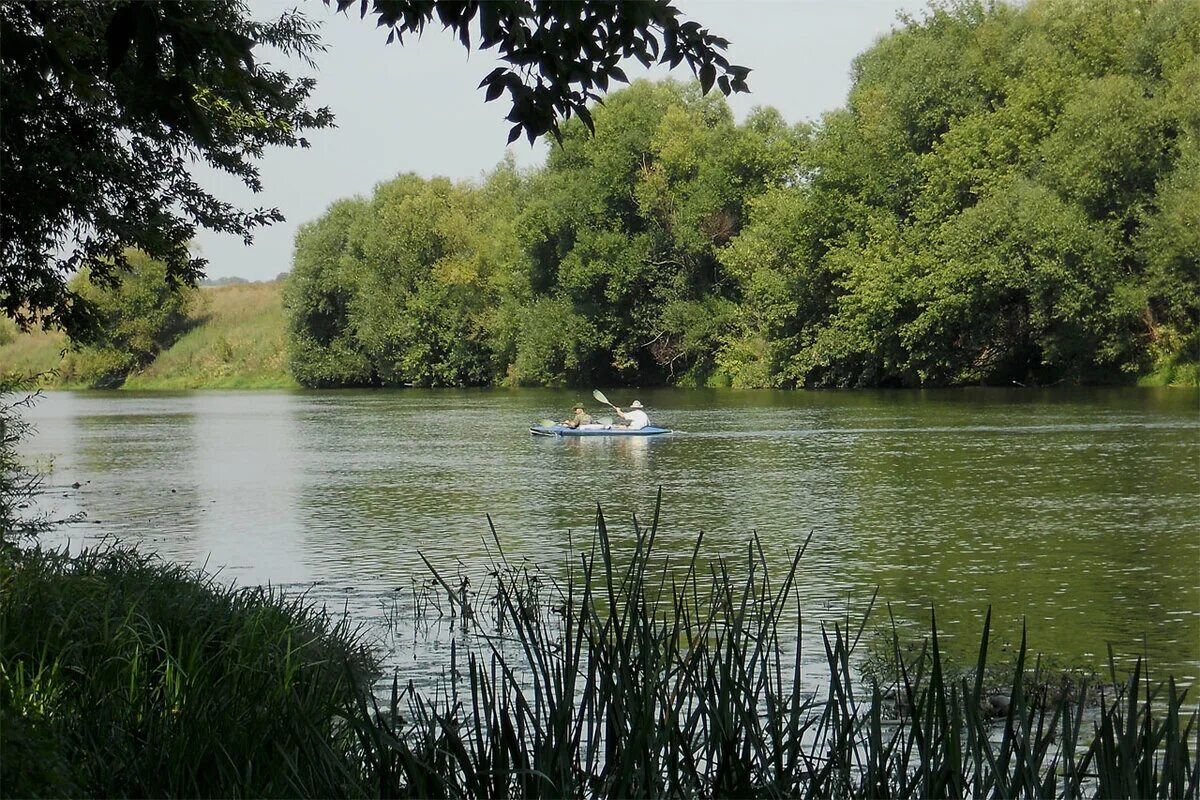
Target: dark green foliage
x,y
322,349
627,223
983,210
555,346
1009,196
106,107
423,283
406,288
108,104
601,267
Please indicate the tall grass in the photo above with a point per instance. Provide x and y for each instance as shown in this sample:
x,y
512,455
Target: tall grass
x,y
637,680
131,677
238,340
37,352
629,676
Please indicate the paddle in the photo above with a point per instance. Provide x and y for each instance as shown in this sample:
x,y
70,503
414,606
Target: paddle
x,y
599,395
547,423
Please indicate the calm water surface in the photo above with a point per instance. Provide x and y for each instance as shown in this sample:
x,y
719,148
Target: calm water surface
x,y
1076,510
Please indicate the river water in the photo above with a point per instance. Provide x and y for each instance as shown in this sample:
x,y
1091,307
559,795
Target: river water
x,y
1075,510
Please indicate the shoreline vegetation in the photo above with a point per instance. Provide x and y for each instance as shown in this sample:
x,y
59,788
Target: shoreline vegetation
x,y
236,339
1007,198
122,675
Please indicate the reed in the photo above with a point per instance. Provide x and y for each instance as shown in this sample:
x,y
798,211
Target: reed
x,y
627,676
633,678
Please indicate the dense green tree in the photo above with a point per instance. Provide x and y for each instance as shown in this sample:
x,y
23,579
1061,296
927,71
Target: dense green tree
x,y
1168,243
556,345
1008,196
106,105
323,349
141,313
1016,291
627,225
422,289
1004,199
612,247
414,286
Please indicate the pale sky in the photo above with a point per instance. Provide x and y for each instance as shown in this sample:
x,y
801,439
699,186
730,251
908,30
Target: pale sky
x,y
416,108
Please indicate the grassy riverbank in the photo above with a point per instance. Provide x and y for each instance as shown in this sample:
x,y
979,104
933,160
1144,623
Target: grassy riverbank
x,y
123,676
236,338
239,342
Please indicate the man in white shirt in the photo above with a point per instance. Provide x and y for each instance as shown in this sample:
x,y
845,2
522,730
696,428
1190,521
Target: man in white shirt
x,y
635,418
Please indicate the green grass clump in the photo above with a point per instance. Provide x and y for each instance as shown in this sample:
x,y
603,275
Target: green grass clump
x,y
124,676
237,340
1173,373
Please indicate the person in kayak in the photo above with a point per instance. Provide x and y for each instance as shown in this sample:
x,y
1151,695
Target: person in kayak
x,y
635,418
580,417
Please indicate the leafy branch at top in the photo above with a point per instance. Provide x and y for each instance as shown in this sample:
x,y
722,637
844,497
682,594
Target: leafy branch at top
x,y
562,56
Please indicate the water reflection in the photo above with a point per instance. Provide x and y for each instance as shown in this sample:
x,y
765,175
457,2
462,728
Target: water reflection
x,y
1076,509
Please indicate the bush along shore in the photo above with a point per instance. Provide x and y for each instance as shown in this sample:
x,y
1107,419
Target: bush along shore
x,y
121,675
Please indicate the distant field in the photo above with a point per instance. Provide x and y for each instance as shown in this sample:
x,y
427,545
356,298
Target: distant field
x,y
239,342
35,353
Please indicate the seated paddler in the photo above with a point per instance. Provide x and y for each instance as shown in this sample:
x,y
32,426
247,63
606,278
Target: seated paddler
x,y
580,417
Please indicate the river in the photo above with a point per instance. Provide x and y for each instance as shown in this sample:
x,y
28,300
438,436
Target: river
x,y
1077,510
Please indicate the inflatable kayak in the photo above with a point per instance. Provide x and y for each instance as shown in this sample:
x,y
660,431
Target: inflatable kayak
x,y
594,430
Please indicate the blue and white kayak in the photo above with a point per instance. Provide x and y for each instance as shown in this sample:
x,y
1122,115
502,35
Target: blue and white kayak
x,y
595,430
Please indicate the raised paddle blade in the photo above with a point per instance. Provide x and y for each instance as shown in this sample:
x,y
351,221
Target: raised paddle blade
x,y
599,395
547,423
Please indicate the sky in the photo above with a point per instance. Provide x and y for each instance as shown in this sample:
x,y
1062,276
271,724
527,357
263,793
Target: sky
x,y
415,107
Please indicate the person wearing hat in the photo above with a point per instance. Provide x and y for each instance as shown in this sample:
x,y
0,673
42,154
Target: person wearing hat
x,y
580,417
635,418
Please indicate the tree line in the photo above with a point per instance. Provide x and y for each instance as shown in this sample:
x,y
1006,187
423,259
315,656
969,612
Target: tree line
x,y
108,105
1010,194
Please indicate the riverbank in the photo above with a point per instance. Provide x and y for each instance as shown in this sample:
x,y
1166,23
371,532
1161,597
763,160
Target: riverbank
x,y
635,665
236,338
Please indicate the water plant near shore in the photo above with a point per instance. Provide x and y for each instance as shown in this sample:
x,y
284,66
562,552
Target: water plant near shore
x,y
628,676
637,678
